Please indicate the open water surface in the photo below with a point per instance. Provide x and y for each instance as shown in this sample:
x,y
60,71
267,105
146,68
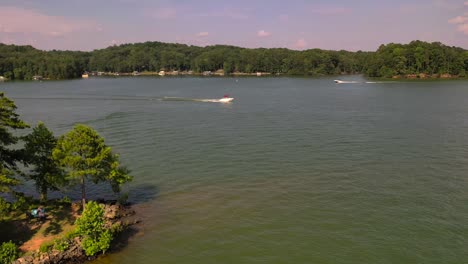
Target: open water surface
x,y
295,170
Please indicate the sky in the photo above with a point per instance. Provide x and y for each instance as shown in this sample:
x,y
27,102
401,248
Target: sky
x,y
294,24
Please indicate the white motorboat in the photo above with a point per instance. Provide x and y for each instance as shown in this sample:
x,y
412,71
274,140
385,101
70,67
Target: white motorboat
x,y
226,99
339,81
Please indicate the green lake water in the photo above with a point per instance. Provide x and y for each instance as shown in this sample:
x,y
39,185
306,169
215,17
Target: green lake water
x,y
295,170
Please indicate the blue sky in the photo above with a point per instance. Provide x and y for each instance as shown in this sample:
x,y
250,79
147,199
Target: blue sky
x,y
294,24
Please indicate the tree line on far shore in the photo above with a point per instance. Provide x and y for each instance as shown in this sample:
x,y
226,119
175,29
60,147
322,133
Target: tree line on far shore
x,y
415,58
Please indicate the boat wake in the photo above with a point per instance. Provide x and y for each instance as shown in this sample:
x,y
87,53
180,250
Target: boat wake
x,y
339,81
343,82
181,99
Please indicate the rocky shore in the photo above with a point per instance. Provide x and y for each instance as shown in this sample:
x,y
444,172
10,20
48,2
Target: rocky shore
x,y
114,213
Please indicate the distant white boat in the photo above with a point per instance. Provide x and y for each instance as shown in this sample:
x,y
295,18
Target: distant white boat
x,y
226,99
339,81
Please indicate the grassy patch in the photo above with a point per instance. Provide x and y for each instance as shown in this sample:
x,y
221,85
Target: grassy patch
x,y
31,233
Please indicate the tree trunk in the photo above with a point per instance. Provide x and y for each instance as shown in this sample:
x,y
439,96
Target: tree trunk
x,y
83,193
43,197
43,194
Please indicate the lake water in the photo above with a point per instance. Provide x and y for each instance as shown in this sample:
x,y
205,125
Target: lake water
x,y
295,170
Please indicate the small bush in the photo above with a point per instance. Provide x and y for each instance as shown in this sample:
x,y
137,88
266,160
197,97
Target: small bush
x,y
66,200
90,226
8,252
92,246
61,244
123,198
117,228
71,235
5,207
46,247
21,202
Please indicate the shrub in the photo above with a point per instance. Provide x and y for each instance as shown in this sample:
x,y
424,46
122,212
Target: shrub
x,y
46,247
66,200
71,235
5,207
91,227
92,246
61,244
22,202
8,252
123,198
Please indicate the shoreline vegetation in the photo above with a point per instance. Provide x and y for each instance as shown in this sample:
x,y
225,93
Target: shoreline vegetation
x,y
57,231
415,60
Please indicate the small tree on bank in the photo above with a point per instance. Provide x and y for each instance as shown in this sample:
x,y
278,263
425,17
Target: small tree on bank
x,y
39,145
90,226
84,156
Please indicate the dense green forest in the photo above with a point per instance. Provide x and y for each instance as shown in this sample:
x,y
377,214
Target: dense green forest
x,y
415,58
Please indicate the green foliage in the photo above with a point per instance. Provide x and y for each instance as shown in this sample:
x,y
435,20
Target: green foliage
x,y
8,252
90,226
72,234
39,145
415,58
123,198
117,228
5,207
46,247
91,223
66,200
23,62
21,202
100,244
9,120
61,244
84,156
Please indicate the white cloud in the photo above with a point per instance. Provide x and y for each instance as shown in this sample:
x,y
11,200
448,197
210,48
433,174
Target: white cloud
x,y
202,34
263,33
458,20
461,22
19,20
300,44
115,42
463,28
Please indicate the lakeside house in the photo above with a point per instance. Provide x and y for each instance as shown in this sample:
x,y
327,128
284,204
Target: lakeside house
x,y
37,78
85,75
2,79
162,73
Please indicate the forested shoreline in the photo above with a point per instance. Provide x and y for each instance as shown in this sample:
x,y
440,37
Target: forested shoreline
x,y
417,59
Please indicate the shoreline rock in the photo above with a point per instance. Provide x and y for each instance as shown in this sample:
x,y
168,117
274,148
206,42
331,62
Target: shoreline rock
x,y
114,213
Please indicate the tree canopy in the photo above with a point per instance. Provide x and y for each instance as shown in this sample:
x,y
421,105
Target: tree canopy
x,y
38,148
83,155
23,62
9,120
